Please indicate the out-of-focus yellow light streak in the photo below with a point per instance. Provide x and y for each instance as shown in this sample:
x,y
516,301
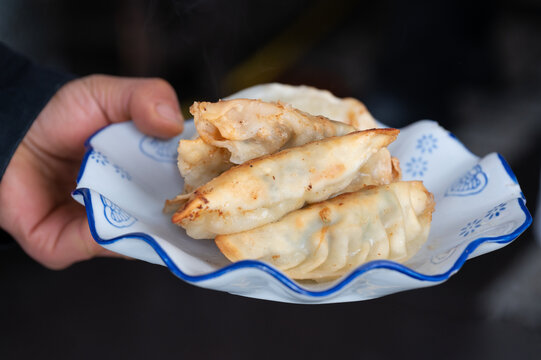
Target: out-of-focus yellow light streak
x,y
283,51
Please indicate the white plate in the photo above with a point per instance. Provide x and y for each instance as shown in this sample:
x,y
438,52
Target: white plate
x,y
126,176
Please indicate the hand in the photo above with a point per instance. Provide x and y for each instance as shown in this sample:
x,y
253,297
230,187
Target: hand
x,y
36,207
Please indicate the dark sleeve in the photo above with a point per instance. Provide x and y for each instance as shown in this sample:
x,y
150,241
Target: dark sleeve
x,y
25,89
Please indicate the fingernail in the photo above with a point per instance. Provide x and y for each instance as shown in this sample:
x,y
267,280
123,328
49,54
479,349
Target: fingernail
x,y
167,112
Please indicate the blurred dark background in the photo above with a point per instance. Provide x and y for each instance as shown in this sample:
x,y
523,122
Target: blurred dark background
x,y
474,66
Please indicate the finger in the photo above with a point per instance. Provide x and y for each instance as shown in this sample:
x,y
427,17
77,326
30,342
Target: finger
x,y
151,103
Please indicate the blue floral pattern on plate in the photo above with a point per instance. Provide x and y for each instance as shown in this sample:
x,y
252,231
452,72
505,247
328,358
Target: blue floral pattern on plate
x,y
123,173
102,159
115,215
496,211
470,228
474,225
99,158
153,238
159,150
416,167
427,143
472,183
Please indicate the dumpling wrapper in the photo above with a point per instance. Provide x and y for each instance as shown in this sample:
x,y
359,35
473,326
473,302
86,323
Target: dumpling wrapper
x,y
313,101
253,128
234,131
264,189
380,168
199,162
327,240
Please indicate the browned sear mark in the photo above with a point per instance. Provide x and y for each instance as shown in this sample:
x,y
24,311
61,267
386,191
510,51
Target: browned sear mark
x,y
325,215
331,172
321,237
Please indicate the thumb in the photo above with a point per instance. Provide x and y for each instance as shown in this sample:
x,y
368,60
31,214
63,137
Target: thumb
x,y
151,103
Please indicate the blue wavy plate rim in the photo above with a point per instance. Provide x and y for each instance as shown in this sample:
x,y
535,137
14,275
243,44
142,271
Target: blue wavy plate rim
x,y
289,283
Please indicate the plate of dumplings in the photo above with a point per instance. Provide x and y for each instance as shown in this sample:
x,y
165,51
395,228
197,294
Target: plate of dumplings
x,y
291,194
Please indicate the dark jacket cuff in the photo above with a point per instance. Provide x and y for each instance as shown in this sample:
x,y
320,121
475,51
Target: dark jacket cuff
x,y
25,89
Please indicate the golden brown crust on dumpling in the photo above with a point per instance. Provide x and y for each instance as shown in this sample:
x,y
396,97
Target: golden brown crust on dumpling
x,y
397,172
234,131
327,239
264,189
313,101
253,128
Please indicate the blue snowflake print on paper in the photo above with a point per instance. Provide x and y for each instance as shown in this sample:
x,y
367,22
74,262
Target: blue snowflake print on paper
x,y
99,158
495,211
416,166
427,144
473,182
159,150
123,173
115,215
470,227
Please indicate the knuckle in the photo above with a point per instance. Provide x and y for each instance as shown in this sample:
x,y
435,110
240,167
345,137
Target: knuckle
x,y
160,85
93,79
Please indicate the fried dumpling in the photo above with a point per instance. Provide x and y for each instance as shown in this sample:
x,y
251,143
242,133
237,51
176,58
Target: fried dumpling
x,y
328,239
380,168
253,128
313,101
264,189
232,132
199,162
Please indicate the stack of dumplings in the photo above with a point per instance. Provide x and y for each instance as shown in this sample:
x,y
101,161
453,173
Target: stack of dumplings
x,y
312,196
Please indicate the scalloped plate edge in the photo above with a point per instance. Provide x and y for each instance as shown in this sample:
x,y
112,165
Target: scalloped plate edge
x,y
84,196
290,284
